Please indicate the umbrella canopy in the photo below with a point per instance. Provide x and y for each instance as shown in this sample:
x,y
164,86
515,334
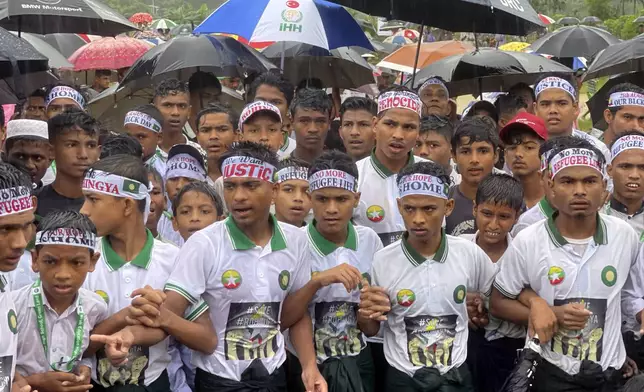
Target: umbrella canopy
x,y
108,53
403,59
568,20
488,70
342,67
184,29
314,22
640,19
408,33
12,90
56,59
67,43
398,40
141,18
516,17
514,46
546,20
626,56
574,41
62,16
162,24
18,54
598,102
591,20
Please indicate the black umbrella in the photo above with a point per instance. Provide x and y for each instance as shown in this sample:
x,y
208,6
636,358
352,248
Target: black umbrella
x,y
640,19
65,43
516,17
184,29
522,376
574,41
341,67
568,20
56,59
62,16
591,20
488,70
12,89
16,52
598,102
626,56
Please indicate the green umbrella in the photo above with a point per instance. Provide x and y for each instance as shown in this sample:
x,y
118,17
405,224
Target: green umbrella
x,y
163,24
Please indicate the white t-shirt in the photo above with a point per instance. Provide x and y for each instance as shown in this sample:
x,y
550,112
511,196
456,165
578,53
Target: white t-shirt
x,y
8,342
540,211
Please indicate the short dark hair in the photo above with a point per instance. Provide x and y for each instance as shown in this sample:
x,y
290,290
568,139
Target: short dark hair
x,y
293,162
517,88
200,187
216,107
483,105
333,141
556,142
273,80
125,166
477,130
630,132
252,150
429,168
565,77
576,142
70,119
314,83
509,104
156,175
102,72
311,99
500,189
200,80
334,160
67,219
358,103
622,87
170,87
151,111
12,177
437,124
119,144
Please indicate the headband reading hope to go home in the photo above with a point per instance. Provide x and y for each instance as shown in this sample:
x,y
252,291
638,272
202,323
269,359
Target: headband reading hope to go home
x,y
15,200
66,236
424,185
185,165
65,92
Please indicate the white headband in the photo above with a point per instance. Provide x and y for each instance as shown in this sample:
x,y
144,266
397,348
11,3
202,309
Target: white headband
x,y
423,184
257,106
332,178
400,99
141,119
292,173
33,128
65,92
625,98
243,166
15,200
575,157
114,185
185,165
627,142
68,237
555,82
434,82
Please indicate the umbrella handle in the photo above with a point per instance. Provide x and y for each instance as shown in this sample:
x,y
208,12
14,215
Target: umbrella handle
x,y
420,42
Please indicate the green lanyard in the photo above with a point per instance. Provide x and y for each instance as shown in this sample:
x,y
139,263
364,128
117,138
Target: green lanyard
x,y
36,292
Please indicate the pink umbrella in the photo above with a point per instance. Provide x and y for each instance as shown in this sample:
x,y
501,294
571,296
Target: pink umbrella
x,y
108,53
546,19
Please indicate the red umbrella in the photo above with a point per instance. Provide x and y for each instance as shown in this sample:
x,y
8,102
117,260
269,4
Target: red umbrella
x,y
141,18
546,19
108,53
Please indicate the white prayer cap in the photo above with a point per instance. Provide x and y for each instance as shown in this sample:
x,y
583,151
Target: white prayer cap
x,y
32,128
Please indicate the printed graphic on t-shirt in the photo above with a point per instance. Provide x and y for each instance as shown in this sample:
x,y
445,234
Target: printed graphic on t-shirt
x,y
6,364
336,333
430,339
587,343
251,330
131,373
389,238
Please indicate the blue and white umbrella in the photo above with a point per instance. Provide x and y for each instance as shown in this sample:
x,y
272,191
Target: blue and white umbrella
x,y
314,22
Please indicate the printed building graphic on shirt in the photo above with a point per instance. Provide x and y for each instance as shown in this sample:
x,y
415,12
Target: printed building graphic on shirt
x,y
131,373
587,343
251,330
336,333
430,339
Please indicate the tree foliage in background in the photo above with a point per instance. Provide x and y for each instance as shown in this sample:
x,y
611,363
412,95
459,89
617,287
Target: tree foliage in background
x,y
179,11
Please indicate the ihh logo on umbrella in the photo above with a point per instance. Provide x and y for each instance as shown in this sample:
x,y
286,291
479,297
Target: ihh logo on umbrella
x,y
292,17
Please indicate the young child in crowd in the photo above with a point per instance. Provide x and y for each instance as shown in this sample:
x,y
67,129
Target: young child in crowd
x,y
292,198
434,144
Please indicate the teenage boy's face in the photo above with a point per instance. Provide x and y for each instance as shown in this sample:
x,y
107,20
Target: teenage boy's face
x,y
75,151
311,128
157,203
148,139
175,109
264,130
396,132
557,108
248,200
106,212
33,155
60,105
522,154
423,215
578,191
215,133
474,160
356,131
333,209
174,185
627,171
63,269
35,109
292,201
494,221
435,100
15,233
194,212
433,146
272,95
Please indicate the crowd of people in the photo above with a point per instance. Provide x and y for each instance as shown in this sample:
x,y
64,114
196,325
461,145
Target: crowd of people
x,y
382,245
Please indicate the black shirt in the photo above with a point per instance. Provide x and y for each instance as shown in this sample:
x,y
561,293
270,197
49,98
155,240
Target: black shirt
x,y
461,221
49,200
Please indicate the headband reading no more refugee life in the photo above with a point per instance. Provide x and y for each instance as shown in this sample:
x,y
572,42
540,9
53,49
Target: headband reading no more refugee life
x,y
332,178
627,142
15,200
575,157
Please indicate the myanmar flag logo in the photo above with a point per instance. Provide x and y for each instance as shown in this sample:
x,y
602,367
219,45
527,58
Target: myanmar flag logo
x,y
406,297
609,276
556,275
231,279
375,213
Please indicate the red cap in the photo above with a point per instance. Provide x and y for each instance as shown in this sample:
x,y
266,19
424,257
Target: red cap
x,y
525,120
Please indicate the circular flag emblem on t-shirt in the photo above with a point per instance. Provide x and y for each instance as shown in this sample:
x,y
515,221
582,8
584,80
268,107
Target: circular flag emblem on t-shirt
x,y
556,275
285,278
609,275
12,320
103,295
406,297
375,213
231,279
459,294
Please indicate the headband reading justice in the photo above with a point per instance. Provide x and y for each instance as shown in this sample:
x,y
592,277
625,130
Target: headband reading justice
x,y
243,166
555,82
65,92
400,99
141,119
625,98
627,142
292,173
15,200
423,184
332,178
575,157
185,165
66,236
434,82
